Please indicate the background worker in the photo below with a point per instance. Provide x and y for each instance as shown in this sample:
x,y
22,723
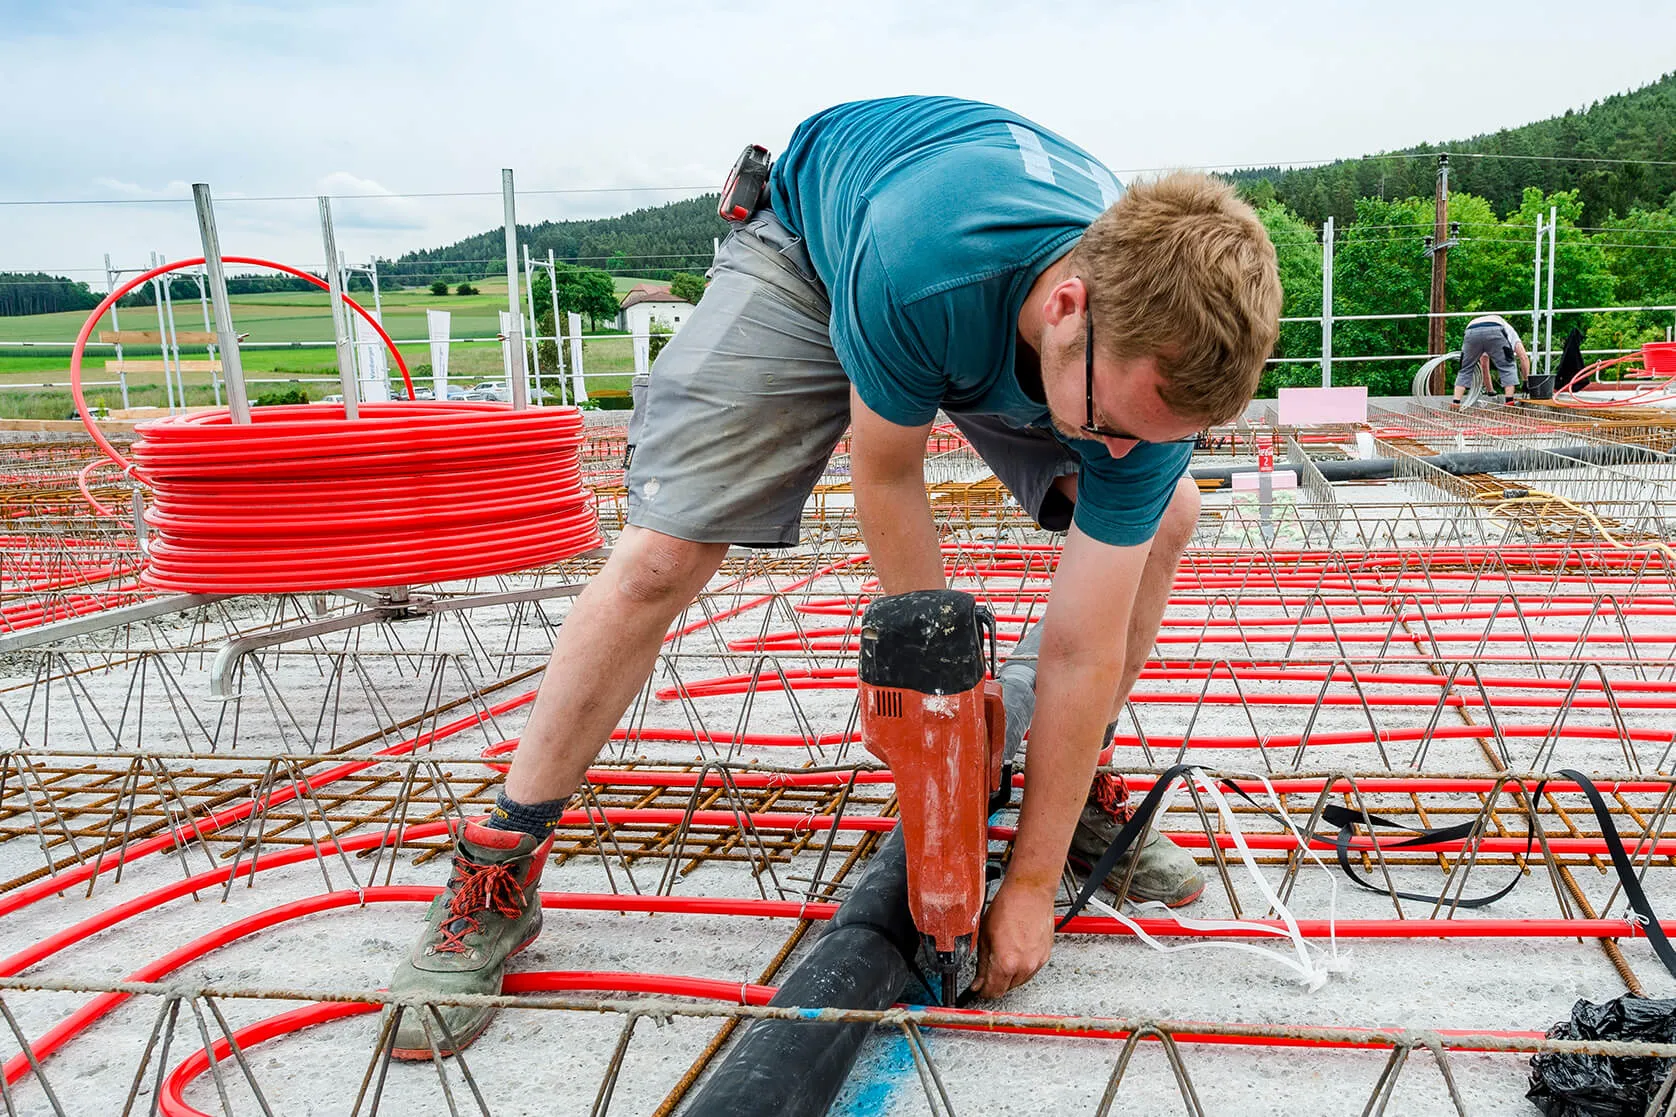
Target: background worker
x,y
1491,342
915,254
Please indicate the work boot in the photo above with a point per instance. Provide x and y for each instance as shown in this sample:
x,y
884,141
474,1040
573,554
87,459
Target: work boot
x,y
1167,873
490,910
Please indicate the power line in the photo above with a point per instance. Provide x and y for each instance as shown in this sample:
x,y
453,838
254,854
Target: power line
x,y
233,198
1280,164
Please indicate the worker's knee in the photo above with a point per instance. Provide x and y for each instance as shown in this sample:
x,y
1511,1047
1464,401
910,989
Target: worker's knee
x,y
655,569
1175,530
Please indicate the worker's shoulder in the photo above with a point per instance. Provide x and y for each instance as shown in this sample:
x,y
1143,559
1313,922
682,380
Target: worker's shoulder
x,y
969,217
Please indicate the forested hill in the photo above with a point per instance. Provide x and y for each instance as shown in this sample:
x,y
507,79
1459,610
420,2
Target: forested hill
x,y
652,242
1640,125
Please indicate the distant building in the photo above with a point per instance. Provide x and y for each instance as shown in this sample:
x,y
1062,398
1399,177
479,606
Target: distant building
x,y
650,302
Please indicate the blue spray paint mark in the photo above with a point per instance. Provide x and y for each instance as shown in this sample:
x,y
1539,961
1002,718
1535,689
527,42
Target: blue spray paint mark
x,y
870,1092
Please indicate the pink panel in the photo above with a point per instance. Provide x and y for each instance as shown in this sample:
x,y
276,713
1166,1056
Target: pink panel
x,y
1302,407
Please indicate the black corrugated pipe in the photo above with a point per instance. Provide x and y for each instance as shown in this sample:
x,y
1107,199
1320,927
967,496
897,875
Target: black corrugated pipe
x,y
1480,461
789,1068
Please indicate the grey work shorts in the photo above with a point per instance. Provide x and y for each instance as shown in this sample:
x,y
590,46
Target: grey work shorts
x,y
746,402
1491,341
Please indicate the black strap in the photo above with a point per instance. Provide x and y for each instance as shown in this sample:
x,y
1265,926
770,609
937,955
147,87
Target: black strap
x,y
1346,819
1126,837
1341,817
1626,871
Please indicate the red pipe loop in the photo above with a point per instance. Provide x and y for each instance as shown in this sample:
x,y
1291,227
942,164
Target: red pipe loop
x,y
303,499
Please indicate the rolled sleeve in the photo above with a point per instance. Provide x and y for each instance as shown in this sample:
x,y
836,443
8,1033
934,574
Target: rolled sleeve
x,y
1121,500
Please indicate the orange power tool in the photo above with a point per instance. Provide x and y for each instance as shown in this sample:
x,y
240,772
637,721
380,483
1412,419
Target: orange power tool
x,y
928,711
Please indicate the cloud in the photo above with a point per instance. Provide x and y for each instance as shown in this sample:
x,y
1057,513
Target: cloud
x,y
362,203
176,189
407,109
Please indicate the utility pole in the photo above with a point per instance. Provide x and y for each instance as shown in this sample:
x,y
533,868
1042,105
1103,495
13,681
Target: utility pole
x,y
1440,268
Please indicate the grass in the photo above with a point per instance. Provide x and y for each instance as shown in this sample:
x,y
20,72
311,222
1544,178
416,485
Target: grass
x,y
285,316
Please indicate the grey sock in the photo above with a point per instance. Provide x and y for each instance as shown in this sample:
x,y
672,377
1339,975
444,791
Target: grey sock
x,y
526,818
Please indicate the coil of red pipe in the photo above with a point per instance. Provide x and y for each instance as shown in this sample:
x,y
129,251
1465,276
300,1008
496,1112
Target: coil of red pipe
x,y
303,498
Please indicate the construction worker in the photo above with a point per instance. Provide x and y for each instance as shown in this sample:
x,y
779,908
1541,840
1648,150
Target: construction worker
x,y
1490,341
914,254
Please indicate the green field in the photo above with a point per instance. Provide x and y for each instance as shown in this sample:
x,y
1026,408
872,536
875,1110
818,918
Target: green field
x,y
273,318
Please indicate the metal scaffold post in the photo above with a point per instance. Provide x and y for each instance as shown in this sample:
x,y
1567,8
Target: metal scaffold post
x,y
1439,250
340,314
515,338
238,403
1327,304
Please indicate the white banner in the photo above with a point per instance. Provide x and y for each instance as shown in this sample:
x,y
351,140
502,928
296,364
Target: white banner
x,y
579,389
372,361
642,348
506,351
437,323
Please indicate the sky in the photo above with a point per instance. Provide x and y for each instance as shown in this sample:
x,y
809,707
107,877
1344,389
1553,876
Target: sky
x,y
406,110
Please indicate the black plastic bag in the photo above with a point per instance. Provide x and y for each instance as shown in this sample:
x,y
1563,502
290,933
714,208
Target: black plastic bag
x,y
1566,1085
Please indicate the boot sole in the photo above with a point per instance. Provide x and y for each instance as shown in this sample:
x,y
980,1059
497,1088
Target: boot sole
x,y
423,1054
1085,866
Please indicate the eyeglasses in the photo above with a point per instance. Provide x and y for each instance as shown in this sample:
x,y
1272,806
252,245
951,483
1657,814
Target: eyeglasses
x,y
1091,428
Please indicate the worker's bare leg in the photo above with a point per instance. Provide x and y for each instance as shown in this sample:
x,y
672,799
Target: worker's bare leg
x,y
605,650
1158,578
1155,869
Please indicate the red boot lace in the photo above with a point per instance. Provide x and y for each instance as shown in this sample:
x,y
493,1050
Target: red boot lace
x,y
1111,796
481,887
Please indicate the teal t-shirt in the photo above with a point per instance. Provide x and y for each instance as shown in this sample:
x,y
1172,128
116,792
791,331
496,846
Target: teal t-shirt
x,y
928,219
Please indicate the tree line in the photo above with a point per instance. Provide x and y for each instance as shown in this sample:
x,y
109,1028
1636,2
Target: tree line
x,y
1380,266
657,243
1618,155
37,293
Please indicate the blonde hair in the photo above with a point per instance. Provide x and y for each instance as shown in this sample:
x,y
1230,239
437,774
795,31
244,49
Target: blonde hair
x,y
1181,270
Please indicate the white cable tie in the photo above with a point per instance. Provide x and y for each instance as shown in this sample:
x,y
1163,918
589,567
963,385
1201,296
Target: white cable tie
x,y
1308,970
1334,962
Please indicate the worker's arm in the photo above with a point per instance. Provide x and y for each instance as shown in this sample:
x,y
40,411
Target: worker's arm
x,y
887,475
1077,672
1484,371
1524,358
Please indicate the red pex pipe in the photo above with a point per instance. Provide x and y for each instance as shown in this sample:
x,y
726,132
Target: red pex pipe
x,y
19,898
1201,741
301,499
1170,670
833,679
67,1029
172,1102
798,823
111,299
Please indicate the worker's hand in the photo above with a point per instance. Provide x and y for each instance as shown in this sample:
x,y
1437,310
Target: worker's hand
x,y
1016,940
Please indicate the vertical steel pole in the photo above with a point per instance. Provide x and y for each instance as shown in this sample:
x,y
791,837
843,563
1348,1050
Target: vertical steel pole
x,y
1553,237
116,327
377,296
203,305
1327,304
515,343
1536,293
237,402
172,340
340,314
1436,343
162,338
535,329
558,333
